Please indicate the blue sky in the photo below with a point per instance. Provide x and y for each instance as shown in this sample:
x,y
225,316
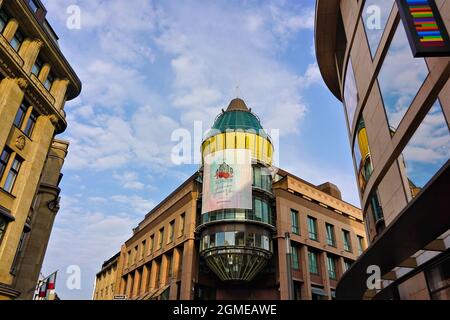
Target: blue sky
x,y
151,67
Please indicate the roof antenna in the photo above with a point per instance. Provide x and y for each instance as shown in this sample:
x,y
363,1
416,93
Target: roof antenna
x,y
238,92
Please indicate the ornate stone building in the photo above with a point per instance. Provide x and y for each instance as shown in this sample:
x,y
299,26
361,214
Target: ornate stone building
x,y
35,82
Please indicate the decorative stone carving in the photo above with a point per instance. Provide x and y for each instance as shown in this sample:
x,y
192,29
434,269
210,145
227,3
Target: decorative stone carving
x,y
22,83
54,119
53,205
20,142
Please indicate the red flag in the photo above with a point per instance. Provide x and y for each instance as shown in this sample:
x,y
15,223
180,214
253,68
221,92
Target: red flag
x,y
51,282
43,289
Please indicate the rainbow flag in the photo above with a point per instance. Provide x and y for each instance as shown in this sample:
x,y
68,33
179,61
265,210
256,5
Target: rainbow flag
x,y
425,23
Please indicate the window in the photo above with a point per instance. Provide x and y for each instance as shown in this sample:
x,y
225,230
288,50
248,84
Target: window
x,y
150,245
20,116
31,123
19,250
331,265
3,226
258,209
312,228
33,5
295,259
360,244
362,155
17,40
375,16
294,221
170,266
331,241
160,238
158,273
313,266
135,254
376,208
49,82
262,178
182,223
346,238
12,175
347,264
143,248
432,138
37,67
400,78
3,20
438,279
4,158
351,97
230,238
129,258
171,227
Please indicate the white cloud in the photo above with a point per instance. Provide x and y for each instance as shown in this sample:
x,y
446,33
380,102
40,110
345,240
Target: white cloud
x,y
139,205
311,76
129,180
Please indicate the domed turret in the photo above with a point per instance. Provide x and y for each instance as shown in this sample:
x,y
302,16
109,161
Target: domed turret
x,y
237,200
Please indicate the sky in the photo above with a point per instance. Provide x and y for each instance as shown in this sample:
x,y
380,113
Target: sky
x,y
149,68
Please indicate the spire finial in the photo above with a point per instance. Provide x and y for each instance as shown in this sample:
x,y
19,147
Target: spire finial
x,y
238,92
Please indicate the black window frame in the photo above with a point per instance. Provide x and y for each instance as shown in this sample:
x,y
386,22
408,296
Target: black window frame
x,y
48,83
331,238
4,17
295,258
346,240
295,227
313,235
22,111
31,124
34,6
38,64
15,171
3,161
19,37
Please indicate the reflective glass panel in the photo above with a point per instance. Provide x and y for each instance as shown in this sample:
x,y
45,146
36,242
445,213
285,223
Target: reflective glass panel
x,y
427,151
375,16
350,93
400,78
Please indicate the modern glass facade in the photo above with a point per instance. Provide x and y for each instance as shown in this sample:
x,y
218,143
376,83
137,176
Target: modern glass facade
x,y
398,110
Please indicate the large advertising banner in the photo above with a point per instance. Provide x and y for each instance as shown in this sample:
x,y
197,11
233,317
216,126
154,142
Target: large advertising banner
x,y
227,180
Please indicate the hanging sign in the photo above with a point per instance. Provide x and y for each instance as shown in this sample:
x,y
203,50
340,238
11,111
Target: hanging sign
x,y
425,28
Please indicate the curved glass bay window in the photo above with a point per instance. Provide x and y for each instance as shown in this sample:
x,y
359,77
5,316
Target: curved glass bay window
x,y
238,253
362,155
262,212
262,178
260,240
426,152
351,97
375,16
400,78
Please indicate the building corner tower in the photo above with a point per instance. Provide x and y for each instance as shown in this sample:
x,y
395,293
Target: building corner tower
x,y
237,219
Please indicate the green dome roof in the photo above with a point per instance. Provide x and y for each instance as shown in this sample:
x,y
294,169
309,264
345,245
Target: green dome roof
x,y
237,117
